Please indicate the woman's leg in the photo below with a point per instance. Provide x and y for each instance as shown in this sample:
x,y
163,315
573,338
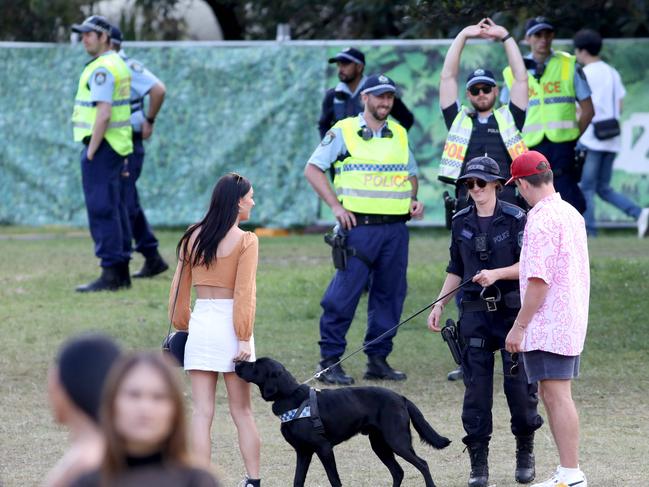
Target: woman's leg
x,y
203,394
241,412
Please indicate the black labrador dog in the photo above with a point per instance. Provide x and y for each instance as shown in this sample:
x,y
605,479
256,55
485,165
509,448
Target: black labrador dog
x,y
326,418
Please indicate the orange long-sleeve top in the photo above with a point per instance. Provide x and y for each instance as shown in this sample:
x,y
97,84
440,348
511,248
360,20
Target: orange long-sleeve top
x,y
236,271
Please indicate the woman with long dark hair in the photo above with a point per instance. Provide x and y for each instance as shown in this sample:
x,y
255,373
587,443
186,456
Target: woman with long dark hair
x,y
220,261
143,423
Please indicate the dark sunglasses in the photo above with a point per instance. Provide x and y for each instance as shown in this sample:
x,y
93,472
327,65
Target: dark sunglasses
x,y
513,371
470,183
475,90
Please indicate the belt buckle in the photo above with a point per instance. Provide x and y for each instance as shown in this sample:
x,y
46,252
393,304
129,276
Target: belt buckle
x,y
366,219
491,303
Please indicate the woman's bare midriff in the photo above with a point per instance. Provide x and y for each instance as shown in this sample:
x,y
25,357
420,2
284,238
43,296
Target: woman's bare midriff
x,y
213,292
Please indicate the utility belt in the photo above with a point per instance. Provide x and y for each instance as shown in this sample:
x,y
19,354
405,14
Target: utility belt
x,y
370,219
489,299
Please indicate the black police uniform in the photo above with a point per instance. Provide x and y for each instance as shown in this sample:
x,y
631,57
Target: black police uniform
x,y
484,325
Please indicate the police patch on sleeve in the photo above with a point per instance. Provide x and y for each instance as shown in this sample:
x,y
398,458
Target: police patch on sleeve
x,y
137,67
328,138
100,78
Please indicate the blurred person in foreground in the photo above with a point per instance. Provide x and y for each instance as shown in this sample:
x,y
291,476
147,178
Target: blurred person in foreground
x,y
550,329
608,93
75,384
143,422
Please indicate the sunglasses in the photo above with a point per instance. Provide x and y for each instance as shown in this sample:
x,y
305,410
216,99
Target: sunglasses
x,y
515,368
470,183
475,90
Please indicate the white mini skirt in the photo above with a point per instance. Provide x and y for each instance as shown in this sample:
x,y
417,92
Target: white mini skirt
x,y
212,343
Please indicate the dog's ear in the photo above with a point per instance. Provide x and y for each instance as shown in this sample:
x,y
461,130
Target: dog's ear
x,y
286,383
268,387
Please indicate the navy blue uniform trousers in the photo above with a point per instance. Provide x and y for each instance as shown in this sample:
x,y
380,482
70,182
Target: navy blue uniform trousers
x,y
107,216
478,368
386,246
145,241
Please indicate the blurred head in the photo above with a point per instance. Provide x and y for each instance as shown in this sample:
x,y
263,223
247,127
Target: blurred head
x,y
587,41
539,34
231,202
95,34
76,380
350,63
116,38
481,90
143,411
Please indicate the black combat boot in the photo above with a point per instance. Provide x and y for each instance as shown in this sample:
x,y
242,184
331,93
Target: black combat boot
x,y
335,375
110,280
378,369
153,265
525,471
479,476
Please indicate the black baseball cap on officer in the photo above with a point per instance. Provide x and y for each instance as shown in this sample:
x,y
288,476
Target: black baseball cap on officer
x,y
482,76
349,55
484,168
94,23
377,84
116,36
537,24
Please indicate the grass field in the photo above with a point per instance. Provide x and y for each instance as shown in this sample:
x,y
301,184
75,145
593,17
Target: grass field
x,y
38,309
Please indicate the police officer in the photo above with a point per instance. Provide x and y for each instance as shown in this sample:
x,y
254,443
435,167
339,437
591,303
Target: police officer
x,y
481,129
344,100
486,240
143,83
101,121
375,193
552,126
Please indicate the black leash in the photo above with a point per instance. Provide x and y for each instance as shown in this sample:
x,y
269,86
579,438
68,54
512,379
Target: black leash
x,y
319,373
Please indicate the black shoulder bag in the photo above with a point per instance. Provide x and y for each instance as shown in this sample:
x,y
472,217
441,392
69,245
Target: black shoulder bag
x,y
609,128
174,342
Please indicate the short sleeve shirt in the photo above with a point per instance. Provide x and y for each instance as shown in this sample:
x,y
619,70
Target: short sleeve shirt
x,y
555,250
333,146
101,84
142,80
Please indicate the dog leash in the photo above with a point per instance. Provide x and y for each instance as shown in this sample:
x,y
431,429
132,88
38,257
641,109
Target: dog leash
x,y
320,372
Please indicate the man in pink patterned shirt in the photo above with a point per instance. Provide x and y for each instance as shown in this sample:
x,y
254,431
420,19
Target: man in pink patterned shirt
x,y
550,328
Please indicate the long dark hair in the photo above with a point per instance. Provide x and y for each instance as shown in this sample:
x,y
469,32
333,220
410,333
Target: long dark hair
x,y
174,448
220,217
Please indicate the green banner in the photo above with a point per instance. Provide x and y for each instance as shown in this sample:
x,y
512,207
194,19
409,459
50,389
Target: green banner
x,y
251,108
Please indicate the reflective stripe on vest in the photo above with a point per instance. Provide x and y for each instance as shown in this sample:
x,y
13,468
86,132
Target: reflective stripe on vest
x,y
118,134
373,178
459,136
551,111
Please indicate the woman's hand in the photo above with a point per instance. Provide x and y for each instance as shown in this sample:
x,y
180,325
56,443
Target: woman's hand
x,y
244,351
434,318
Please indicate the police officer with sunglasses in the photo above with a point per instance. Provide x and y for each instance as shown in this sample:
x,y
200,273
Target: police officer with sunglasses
x,y
486,239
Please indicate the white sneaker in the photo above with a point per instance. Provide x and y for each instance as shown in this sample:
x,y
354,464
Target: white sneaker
x,y
559,479
643,223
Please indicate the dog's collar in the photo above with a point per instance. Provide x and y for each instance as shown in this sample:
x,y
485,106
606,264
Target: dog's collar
x,y
297,413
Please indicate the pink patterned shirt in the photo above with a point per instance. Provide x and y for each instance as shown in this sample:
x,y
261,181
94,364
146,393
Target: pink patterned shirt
x,y
555,250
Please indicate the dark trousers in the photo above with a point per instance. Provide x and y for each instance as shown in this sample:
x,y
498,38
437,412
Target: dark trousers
x,y
478,368
386,246
107,215
561,156
145,241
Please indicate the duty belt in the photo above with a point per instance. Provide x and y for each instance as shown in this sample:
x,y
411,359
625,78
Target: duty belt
x,y
369,219
478,305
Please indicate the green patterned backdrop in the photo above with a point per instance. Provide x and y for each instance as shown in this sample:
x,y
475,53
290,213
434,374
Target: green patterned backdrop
x,y
251,109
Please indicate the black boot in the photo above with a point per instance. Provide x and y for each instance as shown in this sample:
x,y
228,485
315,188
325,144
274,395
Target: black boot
x,y
479,476
153,265
110,280
525,471
378,369
335,375
124,275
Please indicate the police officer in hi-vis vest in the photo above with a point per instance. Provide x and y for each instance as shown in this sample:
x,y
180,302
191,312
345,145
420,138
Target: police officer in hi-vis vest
x,y
481,129
101,121
144,84
374,194
556,85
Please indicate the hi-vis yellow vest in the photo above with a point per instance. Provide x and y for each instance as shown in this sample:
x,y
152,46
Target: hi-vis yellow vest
x,y
119,133
373,179
459,135
551,111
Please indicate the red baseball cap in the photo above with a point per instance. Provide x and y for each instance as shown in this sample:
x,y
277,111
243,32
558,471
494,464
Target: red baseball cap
x,y
527,164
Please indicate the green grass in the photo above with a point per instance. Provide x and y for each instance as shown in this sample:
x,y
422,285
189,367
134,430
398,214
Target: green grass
x,y
38,310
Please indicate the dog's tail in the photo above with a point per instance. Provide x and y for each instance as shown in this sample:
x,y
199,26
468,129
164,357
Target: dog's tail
x,y
426,432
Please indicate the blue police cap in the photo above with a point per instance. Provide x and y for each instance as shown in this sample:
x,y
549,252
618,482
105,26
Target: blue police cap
x,y
116,36
482,76
94,23
537,24
484,168
349,55
377,84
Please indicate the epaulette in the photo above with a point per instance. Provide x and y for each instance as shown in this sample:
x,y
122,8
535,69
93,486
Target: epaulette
x,y
512,210
463,211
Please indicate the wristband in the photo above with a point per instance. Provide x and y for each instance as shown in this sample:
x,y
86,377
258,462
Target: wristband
x,y
508,36
150,120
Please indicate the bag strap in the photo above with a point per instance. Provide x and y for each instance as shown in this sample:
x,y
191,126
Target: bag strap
x,y
613,84
173,309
